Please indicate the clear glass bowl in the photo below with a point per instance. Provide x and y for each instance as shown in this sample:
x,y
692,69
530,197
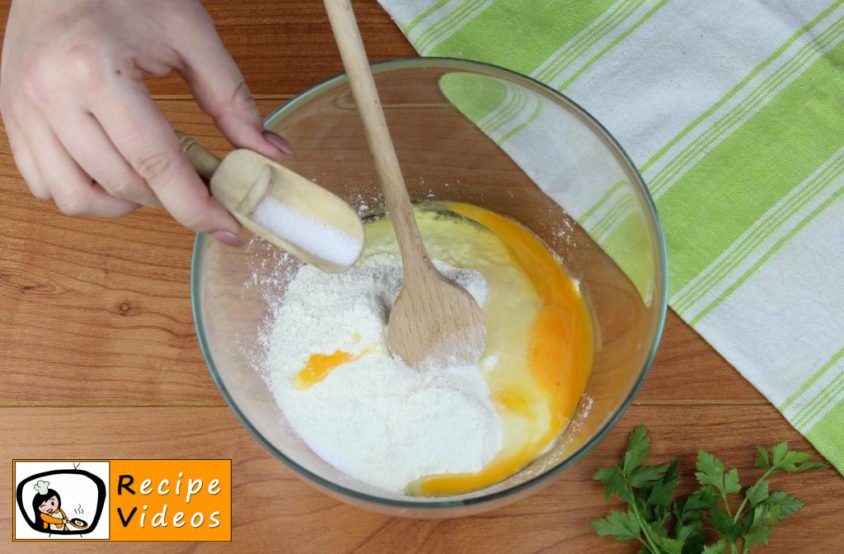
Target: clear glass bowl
x,y
465,132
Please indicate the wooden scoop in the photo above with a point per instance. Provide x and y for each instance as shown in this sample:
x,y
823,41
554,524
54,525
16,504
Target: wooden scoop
x,y
434,322
281,206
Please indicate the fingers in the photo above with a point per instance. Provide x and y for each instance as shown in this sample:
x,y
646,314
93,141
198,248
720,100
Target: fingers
x,y
221,91
72,189
24,160
150,146
88,144
85,131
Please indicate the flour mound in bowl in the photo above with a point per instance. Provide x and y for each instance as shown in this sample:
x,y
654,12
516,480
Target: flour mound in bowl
x,y
360,409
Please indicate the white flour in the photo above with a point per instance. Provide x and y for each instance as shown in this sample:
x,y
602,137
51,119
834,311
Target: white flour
x,y
375,418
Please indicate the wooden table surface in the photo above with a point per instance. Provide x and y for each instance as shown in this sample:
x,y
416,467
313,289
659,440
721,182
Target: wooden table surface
x,y
100,360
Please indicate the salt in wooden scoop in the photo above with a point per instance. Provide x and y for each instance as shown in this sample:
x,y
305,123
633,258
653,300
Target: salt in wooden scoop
x,y
281,206
434,322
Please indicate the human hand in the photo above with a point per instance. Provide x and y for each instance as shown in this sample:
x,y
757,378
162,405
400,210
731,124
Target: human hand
x,y
81,124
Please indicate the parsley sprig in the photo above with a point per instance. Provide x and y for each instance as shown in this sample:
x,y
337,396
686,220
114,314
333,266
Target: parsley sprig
x,y
687,525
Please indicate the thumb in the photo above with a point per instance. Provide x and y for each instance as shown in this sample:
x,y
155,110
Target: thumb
x,y
221,92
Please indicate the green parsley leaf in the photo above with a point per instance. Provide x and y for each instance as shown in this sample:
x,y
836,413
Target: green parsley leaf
x,y
647,475
762,461
620,525
638,445
604,473
710,471
648,491
778,452
658,516
757,493
731,482
786,504
717,548
791,460
701,499
724,524
689,513
668,545
762,522
660,493
806,466
614,483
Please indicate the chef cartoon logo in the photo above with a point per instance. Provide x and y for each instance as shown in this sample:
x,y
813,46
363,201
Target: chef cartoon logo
x,y
57,500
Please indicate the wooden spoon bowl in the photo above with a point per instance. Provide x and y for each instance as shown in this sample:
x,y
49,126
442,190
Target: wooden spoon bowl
x,y
434,322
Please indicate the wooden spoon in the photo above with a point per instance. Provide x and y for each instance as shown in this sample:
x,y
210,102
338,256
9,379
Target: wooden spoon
x,y
434,322
281,206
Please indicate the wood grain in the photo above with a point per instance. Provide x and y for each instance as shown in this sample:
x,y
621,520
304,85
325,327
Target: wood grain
x,y
273,509
96,332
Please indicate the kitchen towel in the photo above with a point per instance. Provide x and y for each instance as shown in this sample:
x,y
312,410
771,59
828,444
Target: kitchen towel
x,y
733,111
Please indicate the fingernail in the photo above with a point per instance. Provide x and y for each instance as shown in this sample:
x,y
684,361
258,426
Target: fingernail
x,y
279,142
227,237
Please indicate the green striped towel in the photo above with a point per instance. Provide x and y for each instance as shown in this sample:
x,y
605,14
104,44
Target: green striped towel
x,y
733,110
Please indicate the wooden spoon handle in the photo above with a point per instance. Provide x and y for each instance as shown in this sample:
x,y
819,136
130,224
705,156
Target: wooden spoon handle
x,y
204,162
350,44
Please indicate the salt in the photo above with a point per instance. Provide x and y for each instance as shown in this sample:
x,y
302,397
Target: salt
x,y
318,238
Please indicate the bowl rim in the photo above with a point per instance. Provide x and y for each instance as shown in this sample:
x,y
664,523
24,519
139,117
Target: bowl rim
x,y
661,282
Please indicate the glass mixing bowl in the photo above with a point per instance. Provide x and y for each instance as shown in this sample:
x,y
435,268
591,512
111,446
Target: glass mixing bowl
x,y
466,132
